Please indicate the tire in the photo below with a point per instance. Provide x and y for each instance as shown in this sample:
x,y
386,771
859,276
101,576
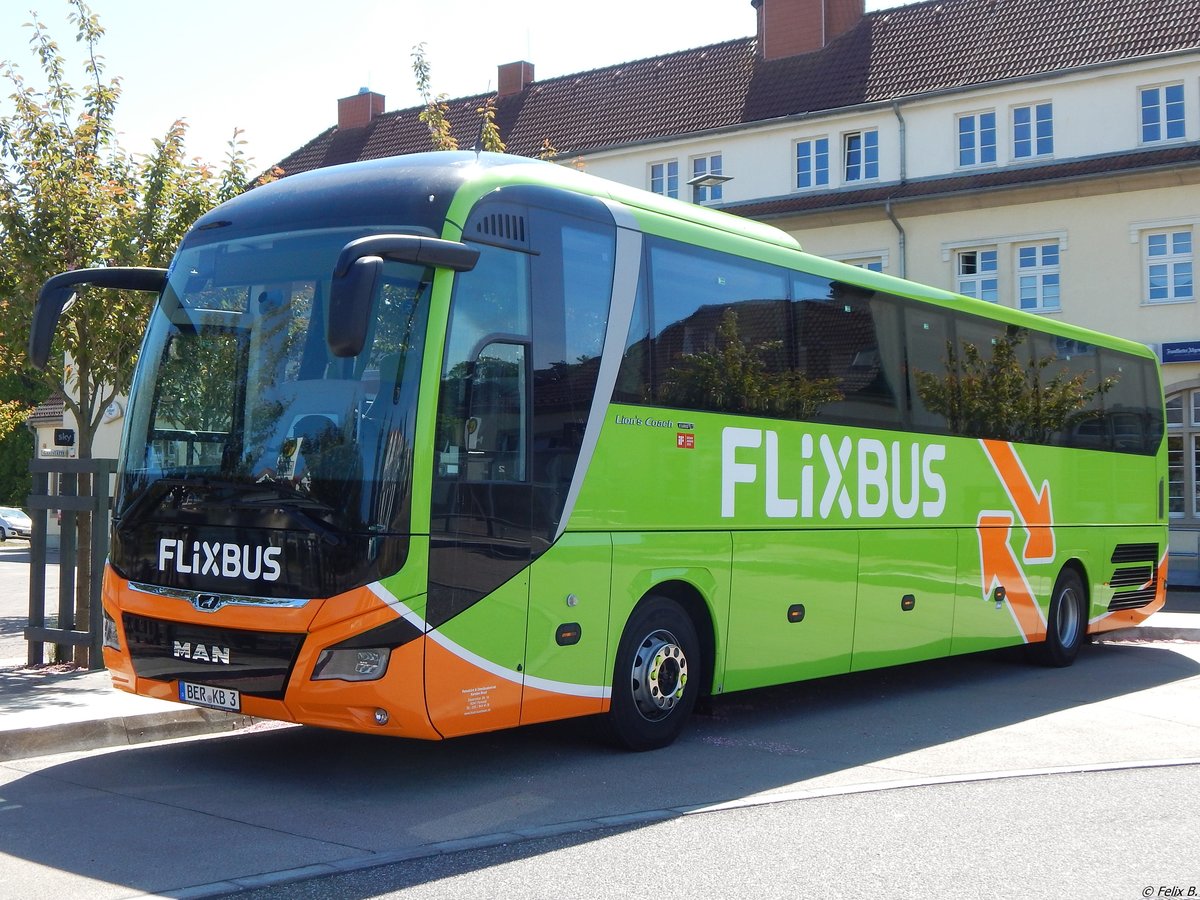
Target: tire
x,y
1066,624
657,677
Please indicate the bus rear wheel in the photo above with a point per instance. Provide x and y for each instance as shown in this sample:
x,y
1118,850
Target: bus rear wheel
x,y
1066,624
657,676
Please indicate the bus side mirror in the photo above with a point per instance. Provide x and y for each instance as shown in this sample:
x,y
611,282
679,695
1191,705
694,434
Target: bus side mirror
x,y
356,277
58,293
351,299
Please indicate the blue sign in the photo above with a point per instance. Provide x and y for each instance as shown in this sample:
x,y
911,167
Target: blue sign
x,y
1180,352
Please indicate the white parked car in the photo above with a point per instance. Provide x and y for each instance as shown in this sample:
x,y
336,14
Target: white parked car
x,y
14,523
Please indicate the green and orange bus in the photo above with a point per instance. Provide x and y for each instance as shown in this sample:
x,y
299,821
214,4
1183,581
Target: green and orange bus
x,y
447,443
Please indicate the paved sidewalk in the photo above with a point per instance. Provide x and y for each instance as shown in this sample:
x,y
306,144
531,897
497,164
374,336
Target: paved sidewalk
x,y
42,712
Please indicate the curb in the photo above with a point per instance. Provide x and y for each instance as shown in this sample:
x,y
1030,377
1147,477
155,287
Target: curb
x,y
1149,634
118,731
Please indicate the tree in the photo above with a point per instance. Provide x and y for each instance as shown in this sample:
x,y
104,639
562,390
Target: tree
x,y
437,110
71,197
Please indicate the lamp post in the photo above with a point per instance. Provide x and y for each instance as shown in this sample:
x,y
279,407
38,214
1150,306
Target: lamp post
x,y
707,180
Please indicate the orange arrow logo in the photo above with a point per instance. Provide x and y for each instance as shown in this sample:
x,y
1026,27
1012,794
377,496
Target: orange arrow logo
x,y
1000,568
1033,507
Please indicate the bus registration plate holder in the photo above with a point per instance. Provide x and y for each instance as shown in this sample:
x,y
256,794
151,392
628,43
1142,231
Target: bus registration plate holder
x,y
211,697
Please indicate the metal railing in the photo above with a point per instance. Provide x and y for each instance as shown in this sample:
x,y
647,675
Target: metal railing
x,y
80,621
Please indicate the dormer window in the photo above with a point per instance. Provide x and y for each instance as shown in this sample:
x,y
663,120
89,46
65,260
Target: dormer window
x,y
861,155
1162,111
977,139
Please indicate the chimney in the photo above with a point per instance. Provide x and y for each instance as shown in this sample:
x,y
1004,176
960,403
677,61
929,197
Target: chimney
x,y
360,109
514,77
791,27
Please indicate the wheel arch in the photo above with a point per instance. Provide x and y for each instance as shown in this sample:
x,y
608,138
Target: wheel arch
x,y
697,608
1076,564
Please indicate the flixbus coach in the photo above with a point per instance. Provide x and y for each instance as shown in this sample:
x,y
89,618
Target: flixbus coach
x,y
454,442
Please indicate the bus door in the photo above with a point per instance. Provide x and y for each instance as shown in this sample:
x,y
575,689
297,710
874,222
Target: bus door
x,y
480,504
523,347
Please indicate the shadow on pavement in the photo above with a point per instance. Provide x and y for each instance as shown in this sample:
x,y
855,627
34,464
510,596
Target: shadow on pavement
x,y
279,798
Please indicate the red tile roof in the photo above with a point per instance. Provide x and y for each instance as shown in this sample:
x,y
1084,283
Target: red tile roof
x,y
909,50
48,412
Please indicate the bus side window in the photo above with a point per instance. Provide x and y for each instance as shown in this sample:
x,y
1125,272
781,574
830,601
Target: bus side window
x,y
494,432
1132,421
1068,381
720,330
633,380
847,352
928,346
489,321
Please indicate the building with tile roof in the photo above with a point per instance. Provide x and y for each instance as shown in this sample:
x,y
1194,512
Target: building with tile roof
x,y
1043,154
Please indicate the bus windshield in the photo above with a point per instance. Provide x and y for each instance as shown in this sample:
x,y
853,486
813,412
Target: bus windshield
x,y
238,402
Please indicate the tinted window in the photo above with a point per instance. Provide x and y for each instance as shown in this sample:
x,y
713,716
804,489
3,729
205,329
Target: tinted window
x,y
847,353
720,331
1132,416
573,276
929,347
716,332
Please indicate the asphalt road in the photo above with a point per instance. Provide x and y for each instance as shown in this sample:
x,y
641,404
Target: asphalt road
x,y
975,776
1096,835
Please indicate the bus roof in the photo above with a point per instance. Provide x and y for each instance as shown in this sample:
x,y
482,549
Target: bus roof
x,y
450,182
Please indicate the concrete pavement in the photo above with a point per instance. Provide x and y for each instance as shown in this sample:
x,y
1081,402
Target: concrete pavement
x,y
44,711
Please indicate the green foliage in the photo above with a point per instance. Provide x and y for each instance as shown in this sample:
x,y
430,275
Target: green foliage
x,y
1007,396
436,108
436,114
490,134
736,378
71,197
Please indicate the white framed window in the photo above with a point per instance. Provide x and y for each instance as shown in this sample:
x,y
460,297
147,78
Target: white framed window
x,y
664,178
977,138
1176,490
706,165
870,263
1038,277
1169,265
1161,109
1183,454
812,163
977,274
1033,130
860,155
1175,410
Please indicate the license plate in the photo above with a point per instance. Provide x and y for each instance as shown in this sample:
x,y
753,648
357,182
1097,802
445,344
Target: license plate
x,y
212,697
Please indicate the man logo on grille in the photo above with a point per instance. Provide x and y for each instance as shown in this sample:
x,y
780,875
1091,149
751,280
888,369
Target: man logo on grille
x,y
208,602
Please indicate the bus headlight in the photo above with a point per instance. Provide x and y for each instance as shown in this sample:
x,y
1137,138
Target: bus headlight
x,y
352,664
111,637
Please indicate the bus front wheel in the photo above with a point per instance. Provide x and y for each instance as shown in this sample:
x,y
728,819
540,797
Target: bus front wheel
x,y
1066,624
657,676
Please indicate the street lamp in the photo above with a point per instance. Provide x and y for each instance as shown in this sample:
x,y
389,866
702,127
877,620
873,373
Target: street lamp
x,y
706,180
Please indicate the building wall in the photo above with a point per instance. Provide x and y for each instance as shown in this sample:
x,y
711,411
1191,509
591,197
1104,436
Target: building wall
x,y
1100,225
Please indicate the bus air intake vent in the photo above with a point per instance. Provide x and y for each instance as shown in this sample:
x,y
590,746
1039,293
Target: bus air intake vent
x,y
1125,553
1135,579
503,229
